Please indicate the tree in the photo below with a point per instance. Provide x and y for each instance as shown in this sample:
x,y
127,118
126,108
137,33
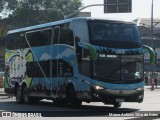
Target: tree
x,y
31,12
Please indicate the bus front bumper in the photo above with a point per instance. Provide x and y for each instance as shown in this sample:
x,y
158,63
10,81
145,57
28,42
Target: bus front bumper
x,y
111,96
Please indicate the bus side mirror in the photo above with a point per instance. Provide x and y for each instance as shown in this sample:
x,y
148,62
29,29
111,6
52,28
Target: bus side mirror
x,y
152,54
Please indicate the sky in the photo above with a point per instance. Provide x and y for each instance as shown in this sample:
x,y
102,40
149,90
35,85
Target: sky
x,y
140,9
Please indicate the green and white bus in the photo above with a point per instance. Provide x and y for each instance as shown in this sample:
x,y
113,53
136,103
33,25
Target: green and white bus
x,y
75,60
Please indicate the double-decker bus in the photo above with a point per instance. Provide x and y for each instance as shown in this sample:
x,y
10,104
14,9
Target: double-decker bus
x,y
75,60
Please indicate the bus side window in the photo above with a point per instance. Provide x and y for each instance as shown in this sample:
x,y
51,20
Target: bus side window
x,y
85,64
56,35
12,41
66,36
39,38
21,41
10,44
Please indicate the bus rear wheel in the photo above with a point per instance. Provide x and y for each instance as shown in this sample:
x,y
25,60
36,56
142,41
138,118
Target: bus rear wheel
x,y
19,96
72,99
26,97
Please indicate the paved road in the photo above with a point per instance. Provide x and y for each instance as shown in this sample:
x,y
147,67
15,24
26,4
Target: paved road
x,y
150,106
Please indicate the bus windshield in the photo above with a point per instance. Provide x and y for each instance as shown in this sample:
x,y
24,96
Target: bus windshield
x,y
119,68
114,34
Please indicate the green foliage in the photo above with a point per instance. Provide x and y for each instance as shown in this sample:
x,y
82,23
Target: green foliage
x,y
2,4
32,12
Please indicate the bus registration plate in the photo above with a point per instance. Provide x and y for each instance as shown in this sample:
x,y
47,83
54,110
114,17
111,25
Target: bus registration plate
x,y
120,100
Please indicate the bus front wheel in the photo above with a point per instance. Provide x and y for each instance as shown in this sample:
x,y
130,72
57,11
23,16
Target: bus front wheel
x,y
72,99
117,104
19,96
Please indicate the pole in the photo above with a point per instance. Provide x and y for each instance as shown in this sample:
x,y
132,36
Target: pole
x,y
152,37
152,24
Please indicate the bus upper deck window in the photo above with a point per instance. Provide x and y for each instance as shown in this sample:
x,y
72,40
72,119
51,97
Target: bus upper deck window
x,y
99,31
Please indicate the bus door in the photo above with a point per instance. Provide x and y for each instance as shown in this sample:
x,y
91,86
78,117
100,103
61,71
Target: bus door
x,y
54,62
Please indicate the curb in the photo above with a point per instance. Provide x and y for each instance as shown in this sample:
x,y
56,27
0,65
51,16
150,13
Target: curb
x,y
3,94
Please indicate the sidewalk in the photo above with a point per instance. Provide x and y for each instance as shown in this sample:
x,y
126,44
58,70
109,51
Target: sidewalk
x,y
2,93
148,88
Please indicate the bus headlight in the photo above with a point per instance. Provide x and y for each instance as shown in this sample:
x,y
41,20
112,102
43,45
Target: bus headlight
x,y
140,89
99,87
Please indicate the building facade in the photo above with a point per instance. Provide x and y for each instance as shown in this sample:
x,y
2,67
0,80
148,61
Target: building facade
x,y
144,26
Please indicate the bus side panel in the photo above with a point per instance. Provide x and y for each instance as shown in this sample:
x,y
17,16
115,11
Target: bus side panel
x,y
83,67
65,71
15,68
38,71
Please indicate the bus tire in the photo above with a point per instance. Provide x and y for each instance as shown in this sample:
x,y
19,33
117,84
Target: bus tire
x,y
19,96
33,100
117,104
59,101
26,97
72,99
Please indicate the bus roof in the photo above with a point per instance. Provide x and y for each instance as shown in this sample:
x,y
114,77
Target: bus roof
x,y
63,21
